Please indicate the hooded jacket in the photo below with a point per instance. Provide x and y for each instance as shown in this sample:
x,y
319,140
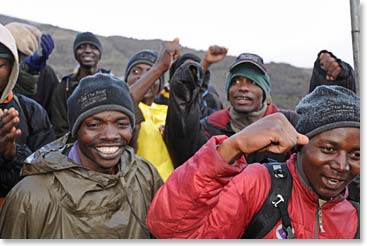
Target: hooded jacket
x,y
185,130
34,122
208,198
59,198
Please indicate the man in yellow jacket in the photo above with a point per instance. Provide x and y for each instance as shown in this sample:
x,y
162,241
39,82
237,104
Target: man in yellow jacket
x,y
145,76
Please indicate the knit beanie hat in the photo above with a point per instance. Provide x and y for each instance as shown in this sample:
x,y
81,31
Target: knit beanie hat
x,y
27,37
148,57
326,108
180,60
87,38
97,93
250,66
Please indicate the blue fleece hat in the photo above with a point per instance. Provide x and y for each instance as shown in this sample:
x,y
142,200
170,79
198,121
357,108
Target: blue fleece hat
x,y
250,66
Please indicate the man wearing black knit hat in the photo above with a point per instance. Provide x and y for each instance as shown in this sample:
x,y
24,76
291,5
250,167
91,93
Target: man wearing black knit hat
x,y
87,51
216,194
88,184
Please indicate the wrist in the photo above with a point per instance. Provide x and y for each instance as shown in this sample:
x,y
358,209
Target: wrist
x,y
228,151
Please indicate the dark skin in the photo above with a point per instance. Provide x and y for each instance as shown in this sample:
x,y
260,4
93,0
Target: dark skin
x,y
9,118
169,50
135,74
88,57
330,65
332,160
245,95
102,139
214,54
273,133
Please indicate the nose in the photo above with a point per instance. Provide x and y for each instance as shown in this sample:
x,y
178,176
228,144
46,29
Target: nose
x,y
88,48
110,132
244,83
340,163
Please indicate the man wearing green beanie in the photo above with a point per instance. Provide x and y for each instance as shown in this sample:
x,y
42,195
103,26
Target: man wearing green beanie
x,y
248,90
247,87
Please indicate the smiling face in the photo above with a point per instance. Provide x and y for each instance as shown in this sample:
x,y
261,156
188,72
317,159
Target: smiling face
x,y
102,139
245,95
331,160
87,55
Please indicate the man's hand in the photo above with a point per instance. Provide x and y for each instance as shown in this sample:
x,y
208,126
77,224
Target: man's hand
x,y
168,52
9,119
37,60
273,133
330,65
214,54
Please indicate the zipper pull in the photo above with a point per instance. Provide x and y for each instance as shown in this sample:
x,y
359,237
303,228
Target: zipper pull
x,y
322,230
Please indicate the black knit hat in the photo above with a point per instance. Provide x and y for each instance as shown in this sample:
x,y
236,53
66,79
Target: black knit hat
x,y
5,53
180,60
87,38
148,57
98,93
326,108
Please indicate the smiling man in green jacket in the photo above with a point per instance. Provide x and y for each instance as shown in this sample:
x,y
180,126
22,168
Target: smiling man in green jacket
x,y
89,184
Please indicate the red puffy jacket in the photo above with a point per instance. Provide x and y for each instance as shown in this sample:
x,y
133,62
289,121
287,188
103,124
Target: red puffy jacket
x,y
208,198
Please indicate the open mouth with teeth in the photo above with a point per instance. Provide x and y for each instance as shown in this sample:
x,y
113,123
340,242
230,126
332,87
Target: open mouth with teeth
x,y
243,98
109,152
332,183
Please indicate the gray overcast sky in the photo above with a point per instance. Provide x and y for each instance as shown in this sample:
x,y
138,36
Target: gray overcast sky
x,y
290,31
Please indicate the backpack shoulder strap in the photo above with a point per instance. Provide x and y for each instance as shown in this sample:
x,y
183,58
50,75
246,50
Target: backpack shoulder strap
x,y
275,206
356,206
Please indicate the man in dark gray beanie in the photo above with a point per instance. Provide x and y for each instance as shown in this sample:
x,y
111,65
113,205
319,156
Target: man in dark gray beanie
x,y
87,51
87,38
92,182
148,57
315,205
96,94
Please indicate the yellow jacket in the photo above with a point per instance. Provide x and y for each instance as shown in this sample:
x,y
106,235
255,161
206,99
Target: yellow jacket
x,y
151,145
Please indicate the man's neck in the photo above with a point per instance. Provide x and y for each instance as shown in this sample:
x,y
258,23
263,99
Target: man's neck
x,y
85,71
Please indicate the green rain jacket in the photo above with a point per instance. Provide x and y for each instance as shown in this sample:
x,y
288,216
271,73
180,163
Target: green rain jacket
x,y
58,198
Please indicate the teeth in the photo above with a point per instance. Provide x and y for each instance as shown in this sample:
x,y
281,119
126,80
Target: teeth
x,y
107,150
332,181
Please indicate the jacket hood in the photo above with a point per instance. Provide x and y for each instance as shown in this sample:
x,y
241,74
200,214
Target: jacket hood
x,y
52,159
8,40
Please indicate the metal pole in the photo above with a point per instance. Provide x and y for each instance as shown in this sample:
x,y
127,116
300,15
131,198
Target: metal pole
x,y
354,14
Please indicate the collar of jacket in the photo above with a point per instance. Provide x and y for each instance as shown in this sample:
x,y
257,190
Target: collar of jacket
x,y
52,159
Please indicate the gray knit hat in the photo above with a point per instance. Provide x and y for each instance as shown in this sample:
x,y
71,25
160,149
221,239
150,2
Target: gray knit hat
x,y
326,108
98,93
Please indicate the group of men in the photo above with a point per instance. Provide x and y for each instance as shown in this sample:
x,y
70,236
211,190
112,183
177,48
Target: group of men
x,y
109,159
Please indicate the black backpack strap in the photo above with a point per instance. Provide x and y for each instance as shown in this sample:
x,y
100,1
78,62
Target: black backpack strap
x,y
356,206
275,206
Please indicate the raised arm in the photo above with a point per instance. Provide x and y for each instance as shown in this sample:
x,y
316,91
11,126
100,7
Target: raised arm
x,y
330,70
169,50
208,196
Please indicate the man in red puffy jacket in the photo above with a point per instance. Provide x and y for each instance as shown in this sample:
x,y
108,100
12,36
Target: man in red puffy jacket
x,y
213,195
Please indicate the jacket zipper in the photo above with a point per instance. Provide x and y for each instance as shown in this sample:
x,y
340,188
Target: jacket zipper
x,y
319,223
